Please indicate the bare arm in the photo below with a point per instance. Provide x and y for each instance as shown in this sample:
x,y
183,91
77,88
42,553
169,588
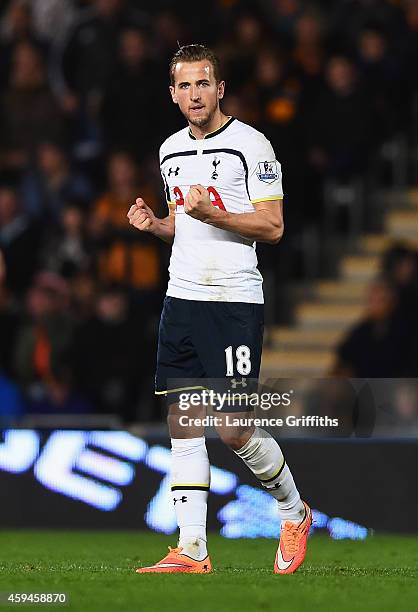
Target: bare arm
x,y
142,217
264,225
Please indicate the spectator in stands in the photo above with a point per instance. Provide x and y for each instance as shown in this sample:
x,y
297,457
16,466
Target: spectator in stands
x,y
88,56
44,340
51,183
30,112
127,105
342,125
278,93
239,52
308,52
279,99
111,354
17,27
124,257
379,72
19,240
380,345
400,266
271,79
66,250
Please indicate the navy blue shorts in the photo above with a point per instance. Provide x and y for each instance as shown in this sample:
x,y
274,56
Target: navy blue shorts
x,y
207,340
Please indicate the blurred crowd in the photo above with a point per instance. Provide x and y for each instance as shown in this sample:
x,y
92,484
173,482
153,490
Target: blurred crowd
x,y
384,343
84,107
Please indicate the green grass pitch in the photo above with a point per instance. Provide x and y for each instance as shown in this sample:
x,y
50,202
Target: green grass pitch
x,y
96,569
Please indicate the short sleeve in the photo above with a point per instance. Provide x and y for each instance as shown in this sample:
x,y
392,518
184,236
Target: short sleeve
x,y
264,173
166,187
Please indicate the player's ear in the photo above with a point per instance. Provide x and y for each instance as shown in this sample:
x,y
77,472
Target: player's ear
x,y
221,89
173,94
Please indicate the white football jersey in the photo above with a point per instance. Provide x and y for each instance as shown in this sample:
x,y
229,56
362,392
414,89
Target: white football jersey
x,y
238,167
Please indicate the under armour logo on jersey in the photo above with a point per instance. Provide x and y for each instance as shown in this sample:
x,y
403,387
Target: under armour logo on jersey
x,y
236,383
182,499
175,172
215,163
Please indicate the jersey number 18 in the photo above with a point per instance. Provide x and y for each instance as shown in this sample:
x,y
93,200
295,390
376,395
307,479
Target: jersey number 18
x,y
243,360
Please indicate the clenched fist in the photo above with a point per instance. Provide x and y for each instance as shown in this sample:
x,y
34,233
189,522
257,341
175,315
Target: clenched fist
x,y
198,203
141,216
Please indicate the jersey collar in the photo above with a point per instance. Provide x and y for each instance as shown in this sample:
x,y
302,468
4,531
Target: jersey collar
x,y
215,132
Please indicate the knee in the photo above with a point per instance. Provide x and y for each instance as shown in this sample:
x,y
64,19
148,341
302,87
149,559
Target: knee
x,y
235,443
235,440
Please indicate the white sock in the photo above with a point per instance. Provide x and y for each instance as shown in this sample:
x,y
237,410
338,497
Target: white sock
x,y
265,459
190,478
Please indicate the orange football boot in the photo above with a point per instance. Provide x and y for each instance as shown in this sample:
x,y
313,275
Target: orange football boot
x,y
292,546
176,562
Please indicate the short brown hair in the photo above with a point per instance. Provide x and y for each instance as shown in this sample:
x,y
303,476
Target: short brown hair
x,y
195,53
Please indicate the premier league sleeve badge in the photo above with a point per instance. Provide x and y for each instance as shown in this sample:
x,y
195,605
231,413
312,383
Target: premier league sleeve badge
x,y
267,171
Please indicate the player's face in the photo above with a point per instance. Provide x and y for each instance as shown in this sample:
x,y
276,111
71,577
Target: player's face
x,y
196,91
